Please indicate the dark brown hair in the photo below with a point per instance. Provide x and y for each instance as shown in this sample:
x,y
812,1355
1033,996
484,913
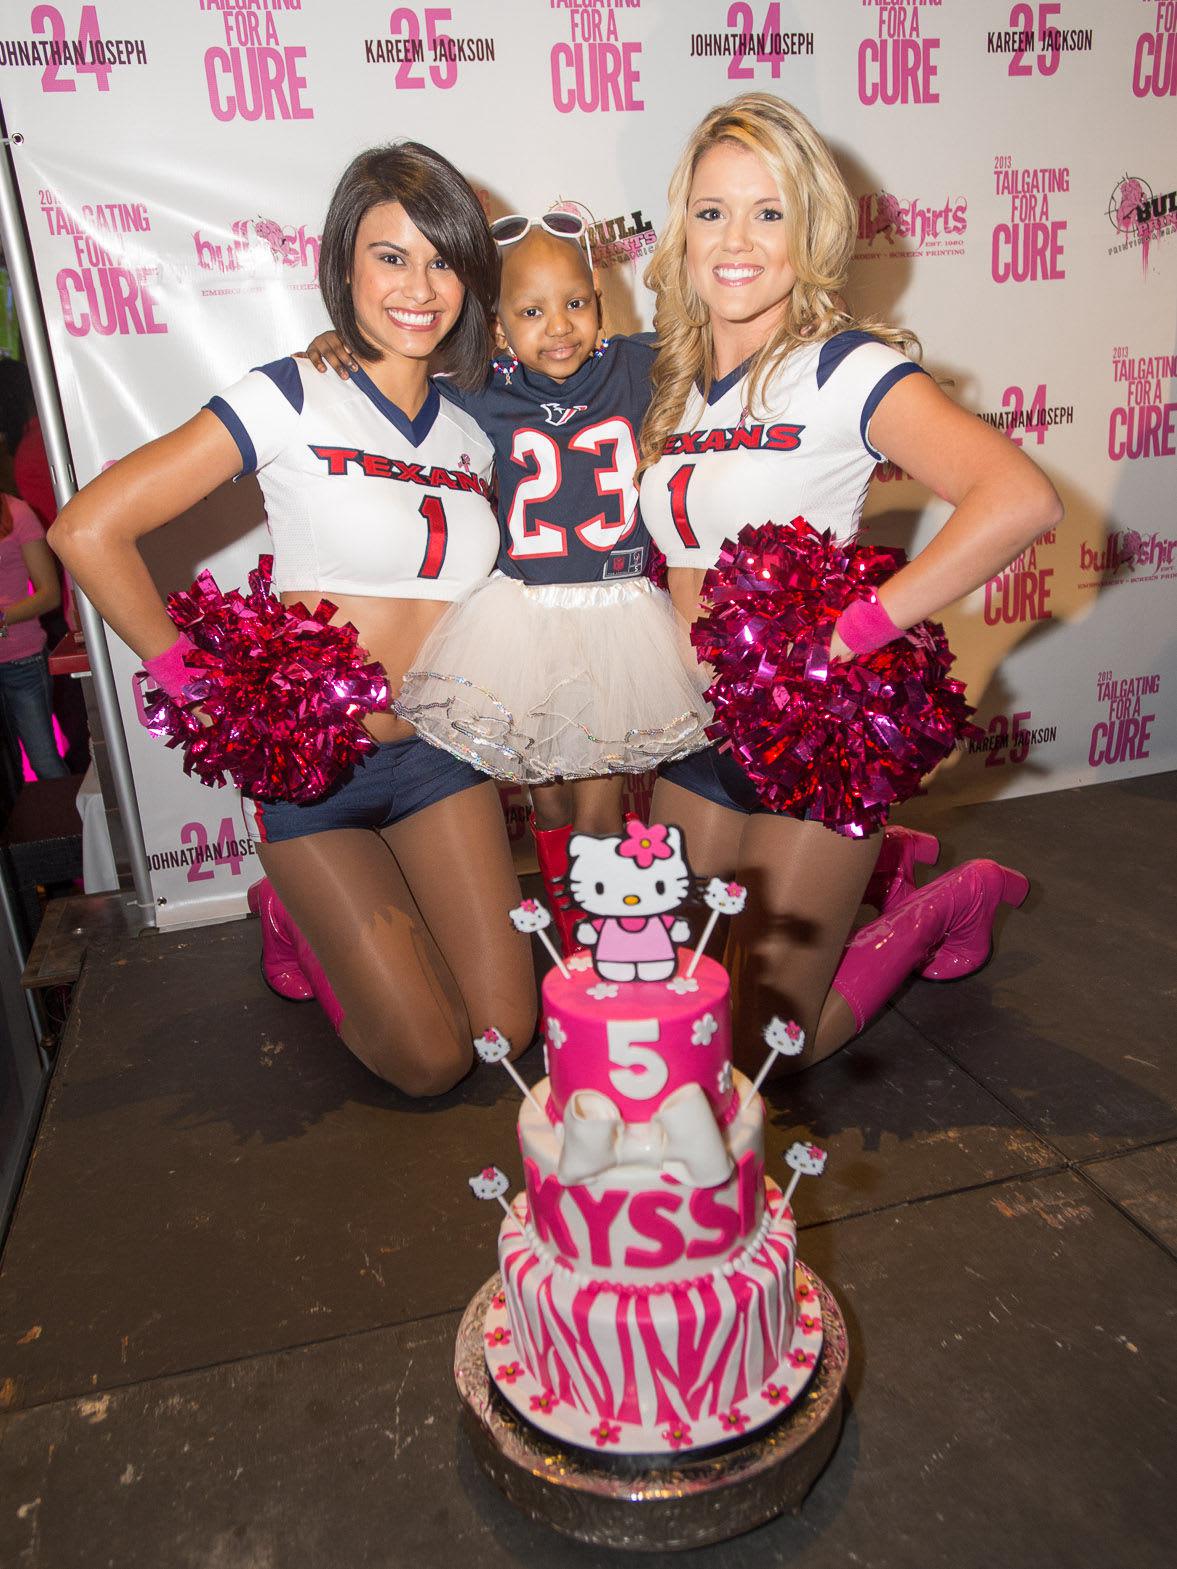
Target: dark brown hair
x,y
447,212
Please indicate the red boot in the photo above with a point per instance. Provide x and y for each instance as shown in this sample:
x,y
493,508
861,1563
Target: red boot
x,y
280,967
289,966
551,850
893,877
944,930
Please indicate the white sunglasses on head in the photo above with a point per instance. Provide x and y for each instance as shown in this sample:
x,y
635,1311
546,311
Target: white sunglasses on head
x,y
564,225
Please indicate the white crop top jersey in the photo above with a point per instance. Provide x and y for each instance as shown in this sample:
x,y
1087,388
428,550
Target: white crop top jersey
x,y
807,453
359,498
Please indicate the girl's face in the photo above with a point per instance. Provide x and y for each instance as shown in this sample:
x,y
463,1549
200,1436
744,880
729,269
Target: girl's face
x,y
548,312
737,248
406,298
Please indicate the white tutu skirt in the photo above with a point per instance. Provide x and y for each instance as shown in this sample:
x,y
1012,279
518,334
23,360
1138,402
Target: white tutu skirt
x,y
561,681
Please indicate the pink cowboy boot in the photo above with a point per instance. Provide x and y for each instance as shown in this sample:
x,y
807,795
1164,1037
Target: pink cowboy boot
x,y
288,961
893,877
551,850
944,930
280,967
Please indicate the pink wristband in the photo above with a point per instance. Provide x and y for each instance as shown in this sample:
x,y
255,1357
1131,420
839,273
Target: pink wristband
x,y
864,626
170,671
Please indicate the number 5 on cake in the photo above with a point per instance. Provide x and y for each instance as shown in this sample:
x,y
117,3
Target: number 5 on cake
x,y
641,1073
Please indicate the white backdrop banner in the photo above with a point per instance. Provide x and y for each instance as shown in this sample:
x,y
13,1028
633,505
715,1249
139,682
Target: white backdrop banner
x,y
1016,174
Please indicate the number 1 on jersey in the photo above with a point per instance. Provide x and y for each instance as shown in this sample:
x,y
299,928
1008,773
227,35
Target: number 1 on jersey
x,y
677,486
432,509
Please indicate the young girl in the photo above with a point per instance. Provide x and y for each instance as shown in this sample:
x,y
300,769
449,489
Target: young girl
x,y
565,670
748,273
385,898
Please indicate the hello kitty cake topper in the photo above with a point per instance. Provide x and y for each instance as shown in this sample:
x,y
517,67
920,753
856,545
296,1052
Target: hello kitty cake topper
x,y
630,887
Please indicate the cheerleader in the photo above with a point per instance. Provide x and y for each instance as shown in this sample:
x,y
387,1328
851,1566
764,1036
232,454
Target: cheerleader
x,y
567,669
770,401
385,898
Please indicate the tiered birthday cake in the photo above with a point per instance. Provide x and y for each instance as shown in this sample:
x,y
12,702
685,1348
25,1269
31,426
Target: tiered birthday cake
x,y
650,1296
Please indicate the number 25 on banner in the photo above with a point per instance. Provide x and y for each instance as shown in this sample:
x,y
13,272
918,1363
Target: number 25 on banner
x,y
85,50
404,22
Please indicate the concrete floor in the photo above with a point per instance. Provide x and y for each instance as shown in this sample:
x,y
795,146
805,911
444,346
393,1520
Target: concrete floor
x,y
232,1283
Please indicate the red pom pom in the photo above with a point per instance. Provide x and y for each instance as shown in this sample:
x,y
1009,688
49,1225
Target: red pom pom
x,y
843,741
285,692
656,567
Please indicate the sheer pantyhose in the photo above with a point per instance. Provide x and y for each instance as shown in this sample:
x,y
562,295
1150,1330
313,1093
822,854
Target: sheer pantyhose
x,y
411,929
592,806
805,885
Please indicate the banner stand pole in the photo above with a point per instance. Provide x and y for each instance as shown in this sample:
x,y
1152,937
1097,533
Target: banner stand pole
x,y
40,363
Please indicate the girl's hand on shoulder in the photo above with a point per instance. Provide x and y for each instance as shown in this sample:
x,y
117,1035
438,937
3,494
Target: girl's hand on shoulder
x,y
329,349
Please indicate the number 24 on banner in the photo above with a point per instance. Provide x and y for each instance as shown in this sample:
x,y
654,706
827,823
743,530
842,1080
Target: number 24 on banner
x,y
85,50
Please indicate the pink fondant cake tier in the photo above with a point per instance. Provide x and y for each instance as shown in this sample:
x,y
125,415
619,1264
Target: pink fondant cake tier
x,y
685,1351
632,1219
639,1041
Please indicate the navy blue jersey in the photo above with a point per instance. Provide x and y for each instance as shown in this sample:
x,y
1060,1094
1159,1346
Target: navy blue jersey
x,y
565,456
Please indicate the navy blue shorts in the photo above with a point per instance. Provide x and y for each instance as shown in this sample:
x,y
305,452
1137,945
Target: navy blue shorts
x,y
385,787
718,777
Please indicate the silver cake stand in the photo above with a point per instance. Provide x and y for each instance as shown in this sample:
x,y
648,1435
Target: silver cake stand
x,y
644,1503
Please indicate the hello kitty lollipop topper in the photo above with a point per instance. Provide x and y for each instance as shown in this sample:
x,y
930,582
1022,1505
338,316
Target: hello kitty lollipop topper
x,y
783,1039
491,1183
805,1160
629,887
493,1046
721,899
530,916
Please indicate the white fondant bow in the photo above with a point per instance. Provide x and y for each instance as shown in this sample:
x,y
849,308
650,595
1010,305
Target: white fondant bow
x,y
682,1138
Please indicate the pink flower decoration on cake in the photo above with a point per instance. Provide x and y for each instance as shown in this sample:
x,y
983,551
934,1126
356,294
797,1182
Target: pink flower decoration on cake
x,y
777,1396
808,1323
509,1372
605,1433
645,845
801,1358
498,1336
499,1300
544,1402
733,1421
677,1435
805,1291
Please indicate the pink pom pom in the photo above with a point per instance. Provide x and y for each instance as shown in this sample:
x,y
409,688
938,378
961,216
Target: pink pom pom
x,y
842,741
284,690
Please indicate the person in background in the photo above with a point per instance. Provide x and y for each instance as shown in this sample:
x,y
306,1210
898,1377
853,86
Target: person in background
x,y
32,481
24,670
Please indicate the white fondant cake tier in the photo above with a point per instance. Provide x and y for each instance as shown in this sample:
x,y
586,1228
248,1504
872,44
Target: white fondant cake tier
x,y
639,1041
656,1356
635,1220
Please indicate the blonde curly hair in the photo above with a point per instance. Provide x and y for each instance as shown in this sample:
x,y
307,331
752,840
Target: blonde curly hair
x,y
821,223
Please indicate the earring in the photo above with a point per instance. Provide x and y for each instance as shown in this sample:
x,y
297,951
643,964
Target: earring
x,y
507,369
601,347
